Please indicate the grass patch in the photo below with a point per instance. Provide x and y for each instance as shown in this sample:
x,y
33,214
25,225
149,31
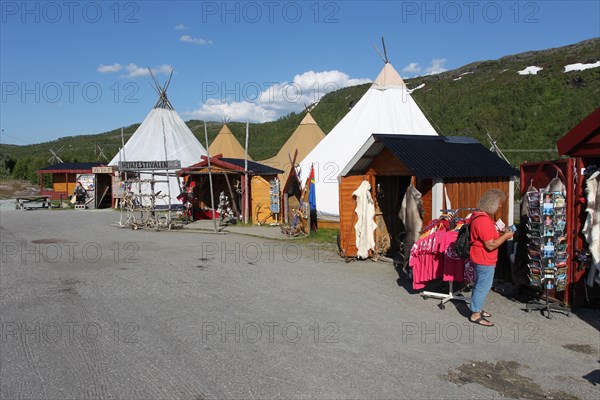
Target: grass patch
x,y
322,236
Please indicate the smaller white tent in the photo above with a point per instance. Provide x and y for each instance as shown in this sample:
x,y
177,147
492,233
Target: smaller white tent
x,y
162,136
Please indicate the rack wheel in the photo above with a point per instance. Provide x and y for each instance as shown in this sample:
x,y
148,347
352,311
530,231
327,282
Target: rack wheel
x,y
424,297
442,306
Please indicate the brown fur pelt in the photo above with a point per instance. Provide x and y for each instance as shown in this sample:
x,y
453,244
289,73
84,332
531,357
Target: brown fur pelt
x,y
520,269
411,215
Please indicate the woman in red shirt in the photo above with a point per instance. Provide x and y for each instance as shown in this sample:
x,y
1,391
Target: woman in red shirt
x,y
485,240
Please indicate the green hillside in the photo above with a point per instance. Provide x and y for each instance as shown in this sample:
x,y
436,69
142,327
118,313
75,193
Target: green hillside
x,y
522,113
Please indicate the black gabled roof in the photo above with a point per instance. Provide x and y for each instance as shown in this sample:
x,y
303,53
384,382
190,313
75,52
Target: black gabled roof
x,y
72,166
446,156
254,167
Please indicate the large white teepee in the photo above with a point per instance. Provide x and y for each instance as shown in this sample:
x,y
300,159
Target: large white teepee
x,y
162,136
387,107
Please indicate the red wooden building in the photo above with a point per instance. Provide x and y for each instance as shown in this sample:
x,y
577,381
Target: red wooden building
x,y
229,176
582,144
64,178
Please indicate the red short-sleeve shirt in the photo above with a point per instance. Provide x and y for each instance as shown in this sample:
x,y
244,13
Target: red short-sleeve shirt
x,y
482,230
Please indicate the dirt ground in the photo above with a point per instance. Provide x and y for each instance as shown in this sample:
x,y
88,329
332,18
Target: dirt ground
x,y
10,188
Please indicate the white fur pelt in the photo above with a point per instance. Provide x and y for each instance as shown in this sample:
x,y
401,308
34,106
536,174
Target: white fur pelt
x,y
411,215
557,185
365,226
591,227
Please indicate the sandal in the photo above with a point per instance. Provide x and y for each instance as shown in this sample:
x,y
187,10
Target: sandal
x,y
480,320
485,314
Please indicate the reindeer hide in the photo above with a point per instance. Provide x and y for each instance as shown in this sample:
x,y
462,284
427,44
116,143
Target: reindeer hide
x,y
365,226
411,215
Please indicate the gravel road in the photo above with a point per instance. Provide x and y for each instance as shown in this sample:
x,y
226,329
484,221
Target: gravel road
x,y
88,310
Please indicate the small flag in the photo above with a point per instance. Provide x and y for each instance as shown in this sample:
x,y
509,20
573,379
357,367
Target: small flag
x,y
312,193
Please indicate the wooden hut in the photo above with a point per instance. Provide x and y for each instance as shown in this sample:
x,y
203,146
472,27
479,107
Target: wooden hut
x,y
65,177
229,176
460,167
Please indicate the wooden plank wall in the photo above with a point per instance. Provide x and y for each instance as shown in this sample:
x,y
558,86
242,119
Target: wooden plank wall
x,y
60,186
260,192
387,164
466,192
424,186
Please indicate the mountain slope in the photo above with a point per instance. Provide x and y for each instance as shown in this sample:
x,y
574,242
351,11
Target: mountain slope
x,y
522,112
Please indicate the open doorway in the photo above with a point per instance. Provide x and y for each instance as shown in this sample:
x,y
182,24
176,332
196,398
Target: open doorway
x,y
103,191
390,192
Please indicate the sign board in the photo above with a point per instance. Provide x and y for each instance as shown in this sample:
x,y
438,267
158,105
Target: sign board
x,y
118,187
102,170
86,180
148,165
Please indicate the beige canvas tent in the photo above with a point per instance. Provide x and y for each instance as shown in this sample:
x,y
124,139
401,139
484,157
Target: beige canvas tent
x,y
226,144
306,136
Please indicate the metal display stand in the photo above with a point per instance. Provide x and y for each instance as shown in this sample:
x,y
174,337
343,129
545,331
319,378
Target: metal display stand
x,y
549,304
446,297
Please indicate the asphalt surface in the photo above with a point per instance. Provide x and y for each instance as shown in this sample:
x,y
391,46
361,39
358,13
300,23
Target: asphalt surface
x,y
88,310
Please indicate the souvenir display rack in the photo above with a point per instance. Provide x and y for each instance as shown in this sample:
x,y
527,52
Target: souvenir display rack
x,y
547,248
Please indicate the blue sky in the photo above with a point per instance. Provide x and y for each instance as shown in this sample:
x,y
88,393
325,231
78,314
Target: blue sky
x,y
70,68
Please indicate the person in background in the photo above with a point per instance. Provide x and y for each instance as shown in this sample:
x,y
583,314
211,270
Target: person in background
x,y
80,194
485,240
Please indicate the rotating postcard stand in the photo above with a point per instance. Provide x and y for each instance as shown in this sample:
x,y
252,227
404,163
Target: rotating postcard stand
x,y
547,248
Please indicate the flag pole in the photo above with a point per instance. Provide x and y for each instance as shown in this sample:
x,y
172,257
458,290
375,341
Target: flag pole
x,y
212,196
246,205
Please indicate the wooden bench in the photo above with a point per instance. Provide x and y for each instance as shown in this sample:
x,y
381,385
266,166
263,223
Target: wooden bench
x,y
26,203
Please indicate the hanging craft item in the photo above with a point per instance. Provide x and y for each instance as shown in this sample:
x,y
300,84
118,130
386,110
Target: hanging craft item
x,y
274,196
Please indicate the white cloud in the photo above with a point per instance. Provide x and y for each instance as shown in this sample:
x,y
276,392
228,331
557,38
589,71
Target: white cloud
x,y
109,68
412,68
133,71
437,66
276,99
182,27
193,40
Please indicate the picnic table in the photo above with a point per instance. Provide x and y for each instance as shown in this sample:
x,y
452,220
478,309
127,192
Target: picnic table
x,y
27,203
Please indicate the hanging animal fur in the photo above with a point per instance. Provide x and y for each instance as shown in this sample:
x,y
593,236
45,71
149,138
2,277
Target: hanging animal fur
x,y
365,225
591,228
520,268
411,215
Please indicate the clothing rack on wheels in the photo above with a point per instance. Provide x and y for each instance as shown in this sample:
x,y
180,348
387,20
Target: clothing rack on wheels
x,y
452,294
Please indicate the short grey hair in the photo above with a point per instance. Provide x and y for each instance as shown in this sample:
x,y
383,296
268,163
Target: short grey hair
x,y
491,200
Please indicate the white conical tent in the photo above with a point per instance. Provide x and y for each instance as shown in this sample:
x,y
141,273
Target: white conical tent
x,y
162,136
306,136
387,107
